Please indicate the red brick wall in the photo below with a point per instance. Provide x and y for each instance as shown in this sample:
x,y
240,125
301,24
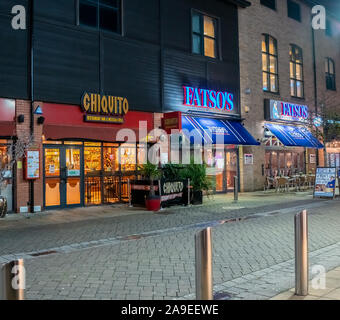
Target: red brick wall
x,y
22,192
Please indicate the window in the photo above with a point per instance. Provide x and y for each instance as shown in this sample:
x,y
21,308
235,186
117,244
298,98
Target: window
x,y
100,14
269,3
296,72
329,28
269,64
330,74
204,35
293,10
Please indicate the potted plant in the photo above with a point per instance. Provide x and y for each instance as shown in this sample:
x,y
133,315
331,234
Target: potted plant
x,y
198,181
151,172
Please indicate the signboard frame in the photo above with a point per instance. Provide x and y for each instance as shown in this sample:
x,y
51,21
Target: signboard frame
x,y
336,176
28,165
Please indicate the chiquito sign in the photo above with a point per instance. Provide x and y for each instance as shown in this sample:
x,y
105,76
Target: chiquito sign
x,y
107,109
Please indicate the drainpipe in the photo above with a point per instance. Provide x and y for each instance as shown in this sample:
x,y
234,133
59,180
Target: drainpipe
x,y
31,94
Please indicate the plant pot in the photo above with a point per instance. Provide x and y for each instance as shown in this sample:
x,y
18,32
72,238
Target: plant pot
x,y
197,198
153,203
3,207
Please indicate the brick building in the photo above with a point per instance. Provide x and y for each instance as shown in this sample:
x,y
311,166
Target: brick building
x,y
277,58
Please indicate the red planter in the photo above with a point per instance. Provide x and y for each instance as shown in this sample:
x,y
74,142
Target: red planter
x,y
153,204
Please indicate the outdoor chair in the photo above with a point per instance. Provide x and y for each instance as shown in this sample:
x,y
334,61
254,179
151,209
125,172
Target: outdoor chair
x,y
270,183
282,184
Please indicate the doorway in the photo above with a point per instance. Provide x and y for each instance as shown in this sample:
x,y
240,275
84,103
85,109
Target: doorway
x,y
63,176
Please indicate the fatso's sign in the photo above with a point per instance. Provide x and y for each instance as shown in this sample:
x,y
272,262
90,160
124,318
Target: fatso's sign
x,y
107,109
209,99
285,111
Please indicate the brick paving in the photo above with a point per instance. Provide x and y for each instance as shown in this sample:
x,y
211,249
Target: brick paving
x,y
151,256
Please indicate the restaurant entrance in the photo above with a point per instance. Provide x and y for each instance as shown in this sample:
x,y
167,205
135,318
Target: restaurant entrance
x,y
89,173
63,176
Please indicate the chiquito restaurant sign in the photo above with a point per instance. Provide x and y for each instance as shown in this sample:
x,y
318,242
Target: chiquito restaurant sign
x,y
104,108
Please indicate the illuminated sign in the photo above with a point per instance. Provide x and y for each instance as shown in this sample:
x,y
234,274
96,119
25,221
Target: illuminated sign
x,y
102,108
210,99
284,111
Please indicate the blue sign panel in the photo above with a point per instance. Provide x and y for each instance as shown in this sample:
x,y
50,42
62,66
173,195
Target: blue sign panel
x,y
284,111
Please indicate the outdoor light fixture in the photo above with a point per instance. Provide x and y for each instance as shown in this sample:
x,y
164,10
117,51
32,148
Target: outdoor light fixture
x,y
21,118
41,120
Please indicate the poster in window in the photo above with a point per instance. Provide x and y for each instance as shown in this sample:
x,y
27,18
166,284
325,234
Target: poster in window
x,y
325,182
32,164
312,158
248,159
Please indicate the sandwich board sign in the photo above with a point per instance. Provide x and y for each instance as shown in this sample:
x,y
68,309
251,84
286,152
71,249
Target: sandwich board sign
x,y
325,182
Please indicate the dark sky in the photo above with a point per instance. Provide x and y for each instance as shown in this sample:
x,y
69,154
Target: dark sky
x,y
333,6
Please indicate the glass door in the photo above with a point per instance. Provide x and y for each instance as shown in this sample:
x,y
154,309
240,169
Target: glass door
x,y
232,170
63,176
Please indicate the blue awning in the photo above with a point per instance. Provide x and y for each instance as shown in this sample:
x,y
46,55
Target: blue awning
x,y
216,131
292,136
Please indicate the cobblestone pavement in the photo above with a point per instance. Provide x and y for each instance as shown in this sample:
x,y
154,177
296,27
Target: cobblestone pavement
x,y
252,258
64,228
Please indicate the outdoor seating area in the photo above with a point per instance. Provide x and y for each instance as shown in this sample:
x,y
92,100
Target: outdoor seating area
x,y
301,182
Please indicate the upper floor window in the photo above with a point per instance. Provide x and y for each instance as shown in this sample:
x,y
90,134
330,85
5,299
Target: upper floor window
x,y
330,74
269,64
269,3
294,10
204,35
296,72
101,14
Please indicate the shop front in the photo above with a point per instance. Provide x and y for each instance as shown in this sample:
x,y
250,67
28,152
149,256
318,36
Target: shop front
x,y
89,157
210,132
7,134
333,154
291,149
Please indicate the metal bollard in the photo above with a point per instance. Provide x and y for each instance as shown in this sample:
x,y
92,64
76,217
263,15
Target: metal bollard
x,y
12,280
203,256
301,254
188,192
235,188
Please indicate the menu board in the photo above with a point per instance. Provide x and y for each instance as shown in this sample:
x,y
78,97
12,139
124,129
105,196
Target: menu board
x,y
325,182
32,164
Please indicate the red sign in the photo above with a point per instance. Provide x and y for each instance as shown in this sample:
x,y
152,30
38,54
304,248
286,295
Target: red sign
x,y
7,110
172,121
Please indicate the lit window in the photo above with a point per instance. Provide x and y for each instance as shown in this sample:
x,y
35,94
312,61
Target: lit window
x,y
296,72
330,74
204,35
100,14
269,64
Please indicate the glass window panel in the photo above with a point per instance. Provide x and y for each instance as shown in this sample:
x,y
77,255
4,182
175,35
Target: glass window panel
x,y
326,66
292,88
299,89
273,85
272,46
196,44
109,19
90,144
92,159
52,162
298,72
209,47
264,62
128,159
273,64
196,23
111,161
264,46
331,67
73,142
209,26
292,75
88,13
298,55
141,155
265,81
73,162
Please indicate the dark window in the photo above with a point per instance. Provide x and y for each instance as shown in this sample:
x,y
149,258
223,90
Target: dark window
x,y
330,74
296,72
100,14
294,11
269,64
329,28
204,35
269,3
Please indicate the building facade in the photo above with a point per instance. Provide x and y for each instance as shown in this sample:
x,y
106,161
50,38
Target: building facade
x,y
285,79
83,70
